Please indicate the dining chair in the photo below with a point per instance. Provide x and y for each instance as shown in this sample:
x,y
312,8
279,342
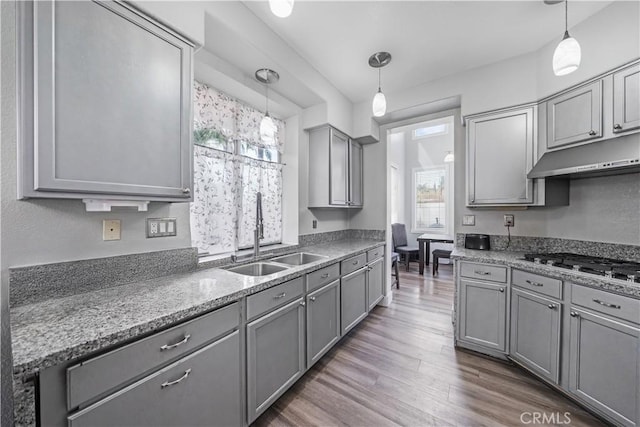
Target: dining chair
x,y
400,244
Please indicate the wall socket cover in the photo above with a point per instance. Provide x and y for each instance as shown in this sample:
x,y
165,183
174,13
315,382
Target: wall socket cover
x,y
111,229
509,220
161,227
469,220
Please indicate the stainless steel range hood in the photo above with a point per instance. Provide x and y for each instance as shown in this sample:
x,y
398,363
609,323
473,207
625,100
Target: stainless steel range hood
x,y
609,157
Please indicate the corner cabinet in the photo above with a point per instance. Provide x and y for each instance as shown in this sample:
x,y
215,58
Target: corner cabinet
x,y
500,152
104,103
335,169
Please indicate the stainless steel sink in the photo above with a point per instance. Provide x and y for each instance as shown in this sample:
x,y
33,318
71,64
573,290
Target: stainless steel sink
x,y
257,269
298,258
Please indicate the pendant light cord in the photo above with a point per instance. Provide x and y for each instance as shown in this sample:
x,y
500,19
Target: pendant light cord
x,y
379,86
266,102
566,16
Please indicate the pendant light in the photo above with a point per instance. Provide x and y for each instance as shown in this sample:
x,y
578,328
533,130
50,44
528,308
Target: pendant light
x,y
379,60
566,58
449,157
281,8
268,127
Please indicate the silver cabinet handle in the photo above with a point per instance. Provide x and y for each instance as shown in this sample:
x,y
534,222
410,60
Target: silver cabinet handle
x,y
534,283
592,132
186,190
324,276
606,304
355,262
574,314
169,347
282,295
376,254
552,306
312,299
302,303
617,126
483,273
501,289
169,383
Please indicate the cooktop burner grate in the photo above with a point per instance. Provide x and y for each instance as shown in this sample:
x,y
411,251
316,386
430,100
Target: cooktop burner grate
x,y
614,268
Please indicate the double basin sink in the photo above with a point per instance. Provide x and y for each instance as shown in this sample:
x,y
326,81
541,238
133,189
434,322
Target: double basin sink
x,y
276,265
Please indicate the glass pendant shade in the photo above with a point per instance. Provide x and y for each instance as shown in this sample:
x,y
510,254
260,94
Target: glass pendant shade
x,y
281,8
566,58
379,104
267,129
449,157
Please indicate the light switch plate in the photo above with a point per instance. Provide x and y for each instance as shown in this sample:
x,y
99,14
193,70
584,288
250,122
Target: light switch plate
x,y
161,227
111,229
469,220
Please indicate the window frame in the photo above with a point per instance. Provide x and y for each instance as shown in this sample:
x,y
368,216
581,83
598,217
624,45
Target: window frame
x,y
448,200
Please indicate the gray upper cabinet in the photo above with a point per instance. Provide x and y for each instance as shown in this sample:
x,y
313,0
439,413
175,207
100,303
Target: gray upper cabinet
x,y
104,103
323,321
535,333
275,355
604,365
353,299
575,116
375,282
626,99
482,318
499,156
335,169
187,392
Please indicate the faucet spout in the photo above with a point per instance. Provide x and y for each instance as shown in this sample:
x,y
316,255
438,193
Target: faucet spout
x,y
258,233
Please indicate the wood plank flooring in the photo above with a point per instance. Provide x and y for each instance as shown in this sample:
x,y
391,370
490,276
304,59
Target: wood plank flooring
x,y
399,367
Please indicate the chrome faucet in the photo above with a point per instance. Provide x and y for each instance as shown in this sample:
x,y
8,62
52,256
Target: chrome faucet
x,y
258,233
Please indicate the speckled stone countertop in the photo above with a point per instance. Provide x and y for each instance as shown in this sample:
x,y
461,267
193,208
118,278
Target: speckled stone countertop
x,y
516,259
61,329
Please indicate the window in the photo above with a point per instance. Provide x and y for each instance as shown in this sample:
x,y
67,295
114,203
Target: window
x,y
427,131
432,202
231,164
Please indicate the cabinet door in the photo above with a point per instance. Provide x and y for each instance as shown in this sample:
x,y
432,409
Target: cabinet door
x,y
188,392
604,365
275,355
535,333
483,310
575,116
105,104
626,99
353,299
323,321
338,168
375,282
499,156
355,174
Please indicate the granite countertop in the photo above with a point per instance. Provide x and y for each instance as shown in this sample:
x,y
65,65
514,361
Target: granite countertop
x,y
61,329
516,259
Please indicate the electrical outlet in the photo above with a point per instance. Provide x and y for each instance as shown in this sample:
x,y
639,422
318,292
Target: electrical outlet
x,y
111,229
161,227
469,220
509,220
314,223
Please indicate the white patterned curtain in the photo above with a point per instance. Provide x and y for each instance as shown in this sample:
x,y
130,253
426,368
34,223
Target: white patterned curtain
x,y
225,183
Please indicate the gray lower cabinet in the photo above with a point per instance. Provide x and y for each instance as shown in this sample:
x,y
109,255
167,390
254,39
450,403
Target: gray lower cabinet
x,y
604,365
535,333
353,299
482,317
105,103
375,282
323,321
275,355
201,389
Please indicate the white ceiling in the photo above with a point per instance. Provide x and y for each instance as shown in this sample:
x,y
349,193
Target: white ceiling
x,y
427,39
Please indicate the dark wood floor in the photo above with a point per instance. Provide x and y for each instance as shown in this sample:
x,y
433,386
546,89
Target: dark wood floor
x,y
399,367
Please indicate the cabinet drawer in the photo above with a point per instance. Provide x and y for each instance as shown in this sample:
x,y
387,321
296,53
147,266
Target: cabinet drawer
x,y
537,283
606,302
323,276
350,265
374,254
187,392
271,298
492,273
101,374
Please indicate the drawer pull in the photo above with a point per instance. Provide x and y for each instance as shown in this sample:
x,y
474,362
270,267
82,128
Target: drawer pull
x,y
483,273
302,303
170,383
169,347
355,262
606,304
324,276
552,306
534,283
279,296
376,254
312,299
574,314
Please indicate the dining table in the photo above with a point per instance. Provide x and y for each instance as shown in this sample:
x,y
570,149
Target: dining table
x,y
424,247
